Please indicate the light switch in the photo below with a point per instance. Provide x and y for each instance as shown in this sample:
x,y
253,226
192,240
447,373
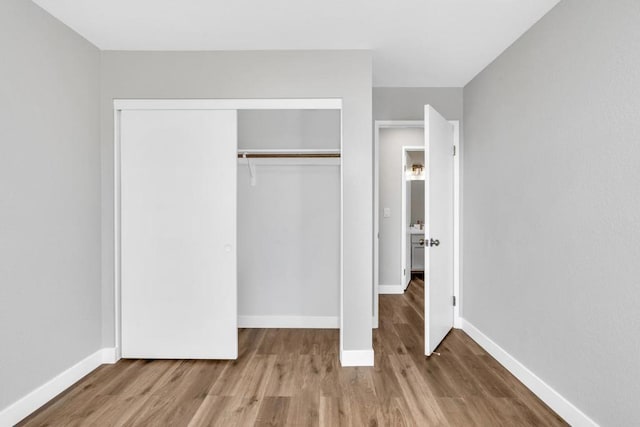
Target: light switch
x,y
386,213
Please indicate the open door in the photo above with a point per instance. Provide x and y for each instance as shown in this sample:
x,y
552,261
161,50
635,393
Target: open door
x,y
439,247
178,234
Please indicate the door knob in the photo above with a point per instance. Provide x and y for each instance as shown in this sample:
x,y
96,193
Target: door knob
x,y
433,242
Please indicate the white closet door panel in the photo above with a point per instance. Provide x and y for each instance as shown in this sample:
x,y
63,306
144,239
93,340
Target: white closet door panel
x,y
438,273
178,234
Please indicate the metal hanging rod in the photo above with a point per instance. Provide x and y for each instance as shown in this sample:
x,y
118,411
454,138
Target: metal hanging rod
x,y
288,154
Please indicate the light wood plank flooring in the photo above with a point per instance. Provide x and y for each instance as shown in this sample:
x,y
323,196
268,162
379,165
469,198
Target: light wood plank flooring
x,y
293,377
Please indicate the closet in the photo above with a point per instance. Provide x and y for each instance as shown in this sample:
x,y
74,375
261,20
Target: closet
x,y
228,214
288,218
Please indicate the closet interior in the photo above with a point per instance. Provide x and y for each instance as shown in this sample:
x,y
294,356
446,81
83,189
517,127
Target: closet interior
x,y
288,218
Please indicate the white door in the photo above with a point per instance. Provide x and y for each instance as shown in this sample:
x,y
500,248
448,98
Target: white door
x,y
178,234
438,273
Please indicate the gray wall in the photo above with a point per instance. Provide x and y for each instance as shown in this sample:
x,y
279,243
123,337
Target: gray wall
x,y
50,203
276,74
289,129
407,103
289,222
552,223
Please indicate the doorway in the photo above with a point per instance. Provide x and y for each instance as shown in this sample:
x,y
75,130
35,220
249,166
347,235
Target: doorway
x,y
412,230
404,245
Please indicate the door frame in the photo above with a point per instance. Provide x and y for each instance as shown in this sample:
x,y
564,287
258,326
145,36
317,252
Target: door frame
x,y
403,213
457,242
120,105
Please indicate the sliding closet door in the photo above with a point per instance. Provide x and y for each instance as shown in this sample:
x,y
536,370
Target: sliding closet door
x,y
178,234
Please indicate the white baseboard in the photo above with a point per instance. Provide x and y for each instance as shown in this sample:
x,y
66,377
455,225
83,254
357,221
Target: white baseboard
x,y
356,358
19,410
391,289
570,413
308,322
458,322
110,355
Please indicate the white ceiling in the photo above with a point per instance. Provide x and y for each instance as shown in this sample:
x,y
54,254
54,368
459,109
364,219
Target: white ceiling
x,y
414,42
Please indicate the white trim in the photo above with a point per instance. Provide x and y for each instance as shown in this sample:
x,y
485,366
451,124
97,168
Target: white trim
x,y
228,104
570,413
309,322
390,289
376,225
25,406
356,358
341,320
457,242
110,355
116,233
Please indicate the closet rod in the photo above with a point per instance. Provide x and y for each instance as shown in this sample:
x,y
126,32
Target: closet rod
x,y
287,155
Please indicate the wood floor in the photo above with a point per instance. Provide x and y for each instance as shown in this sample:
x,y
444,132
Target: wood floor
x,y
293,377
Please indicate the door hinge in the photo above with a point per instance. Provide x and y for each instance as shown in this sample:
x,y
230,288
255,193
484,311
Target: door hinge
x,y
404,271
454,150
454,300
